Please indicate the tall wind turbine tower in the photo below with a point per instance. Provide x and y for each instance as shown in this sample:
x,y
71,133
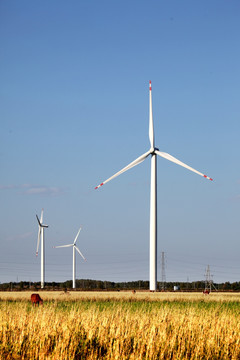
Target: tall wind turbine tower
x,y
153,152
41,228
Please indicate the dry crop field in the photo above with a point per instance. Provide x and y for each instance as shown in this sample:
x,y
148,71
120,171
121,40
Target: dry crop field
x,y
120,325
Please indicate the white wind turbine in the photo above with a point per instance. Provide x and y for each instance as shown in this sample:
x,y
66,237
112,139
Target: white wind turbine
x,y
153,151
74,246
41,227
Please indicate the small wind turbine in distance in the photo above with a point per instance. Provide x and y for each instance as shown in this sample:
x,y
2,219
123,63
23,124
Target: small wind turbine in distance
x,y
153,151
74,246
41,227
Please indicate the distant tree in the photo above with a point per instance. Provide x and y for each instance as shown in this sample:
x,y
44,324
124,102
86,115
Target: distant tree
x,y
227,286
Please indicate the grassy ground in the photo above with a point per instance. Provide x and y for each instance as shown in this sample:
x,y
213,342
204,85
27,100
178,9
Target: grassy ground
x,y
120,325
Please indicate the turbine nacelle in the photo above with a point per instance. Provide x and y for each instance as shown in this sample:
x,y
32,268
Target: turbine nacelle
x,y
153,150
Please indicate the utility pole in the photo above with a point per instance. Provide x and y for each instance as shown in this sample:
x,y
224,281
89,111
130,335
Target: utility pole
x,y
163,273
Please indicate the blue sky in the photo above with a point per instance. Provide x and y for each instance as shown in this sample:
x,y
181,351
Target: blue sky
x,y
74,110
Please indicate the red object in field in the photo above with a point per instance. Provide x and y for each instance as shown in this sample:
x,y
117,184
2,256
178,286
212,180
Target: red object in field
x,y
206,292
35,299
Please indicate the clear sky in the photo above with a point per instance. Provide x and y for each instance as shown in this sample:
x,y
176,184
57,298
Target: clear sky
x,y
74,110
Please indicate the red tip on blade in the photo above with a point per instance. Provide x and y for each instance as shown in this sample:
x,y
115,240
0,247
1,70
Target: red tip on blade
x,y
99,186
208,177
150,85
36,253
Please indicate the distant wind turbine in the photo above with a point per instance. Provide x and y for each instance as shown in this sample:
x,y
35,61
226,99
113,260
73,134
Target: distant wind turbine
x,y
41,227
153,151
74,246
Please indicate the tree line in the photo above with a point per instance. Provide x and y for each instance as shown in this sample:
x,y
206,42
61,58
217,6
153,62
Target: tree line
x,y
99,285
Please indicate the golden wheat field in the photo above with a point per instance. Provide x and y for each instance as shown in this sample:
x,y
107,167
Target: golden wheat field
x,y
120,325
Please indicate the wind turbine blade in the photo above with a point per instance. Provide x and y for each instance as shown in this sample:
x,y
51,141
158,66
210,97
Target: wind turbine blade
x,y
129,166
77,236
176,161
151,130
80,252
38,221
41,219
39,235
63,246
